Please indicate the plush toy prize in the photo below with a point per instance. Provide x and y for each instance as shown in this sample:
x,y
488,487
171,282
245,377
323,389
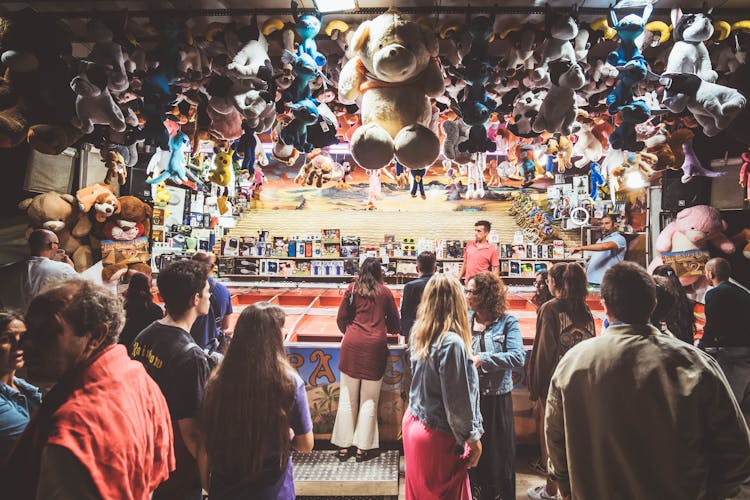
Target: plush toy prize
x,y
395,71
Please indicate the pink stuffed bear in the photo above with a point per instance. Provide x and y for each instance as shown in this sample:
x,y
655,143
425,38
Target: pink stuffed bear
x,y
693,229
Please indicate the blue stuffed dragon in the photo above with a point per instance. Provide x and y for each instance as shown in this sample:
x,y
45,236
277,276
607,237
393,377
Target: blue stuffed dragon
x,y
307,27
295,133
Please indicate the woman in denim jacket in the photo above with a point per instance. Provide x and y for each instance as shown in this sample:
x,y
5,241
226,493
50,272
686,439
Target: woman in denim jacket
x,y
443,425
498,347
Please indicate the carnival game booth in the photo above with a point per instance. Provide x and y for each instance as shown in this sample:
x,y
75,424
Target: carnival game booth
x,y
313,344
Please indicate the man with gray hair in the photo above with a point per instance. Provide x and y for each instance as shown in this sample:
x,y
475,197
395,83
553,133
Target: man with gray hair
x,y
639,414
103,431
23,280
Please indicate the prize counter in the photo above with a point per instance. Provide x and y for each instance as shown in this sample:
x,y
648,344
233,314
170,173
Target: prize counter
x,y
313,343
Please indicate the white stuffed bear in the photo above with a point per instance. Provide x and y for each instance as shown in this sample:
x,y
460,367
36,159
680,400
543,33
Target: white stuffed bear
x,y
714,106
689,53
558,110
394,69
94,103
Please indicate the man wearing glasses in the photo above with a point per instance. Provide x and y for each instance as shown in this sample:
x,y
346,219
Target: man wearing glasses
x,y
22,281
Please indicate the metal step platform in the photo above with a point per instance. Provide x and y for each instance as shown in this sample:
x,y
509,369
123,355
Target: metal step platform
x,y
321,474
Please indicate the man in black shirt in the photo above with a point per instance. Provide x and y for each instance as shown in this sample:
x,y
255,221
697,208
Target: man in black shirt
x,y
412,294
726,335
179,367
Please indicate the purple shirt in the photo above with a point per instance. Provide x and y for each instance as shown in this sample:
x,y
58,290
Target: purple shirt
x,y
283,487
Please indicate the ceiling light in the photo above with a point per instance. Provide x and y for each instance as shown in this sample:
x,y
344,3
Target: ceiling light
x,y
635,180
328,6
633,4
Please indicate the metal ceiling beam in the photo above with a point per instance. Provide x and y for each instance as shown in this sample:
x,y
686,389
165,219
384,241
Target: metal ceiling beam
x,y
370,11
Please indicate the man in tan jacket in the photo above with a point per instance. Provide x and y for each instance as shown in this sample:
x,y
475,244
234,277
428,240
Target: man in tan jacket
x,y
639,414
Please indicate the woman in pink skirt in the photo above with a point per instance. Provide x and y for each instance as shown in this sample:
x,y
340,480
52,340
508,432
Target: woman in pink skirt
x,y
443,424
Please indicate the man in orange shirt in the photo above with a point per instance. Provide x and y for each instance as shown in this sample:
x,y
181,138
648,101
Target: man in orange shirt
x,y
480,255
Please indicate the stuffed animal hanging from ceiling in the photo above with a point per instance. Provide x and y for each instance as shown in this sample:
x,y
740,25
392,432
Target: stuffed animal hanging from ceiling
x,y
561,30
689,53
176,168
558,110
713,106
307,27
476,107
745,175
629,28
394,68
295,133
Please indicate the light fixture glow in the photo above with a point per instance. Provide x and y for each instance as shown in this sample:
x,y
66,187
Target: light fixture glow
x,y
634,180
633,4
328,6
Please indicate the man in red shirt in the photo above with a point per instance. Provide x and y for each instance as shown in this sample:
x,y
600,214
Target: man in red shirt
x,y
103,431
480,255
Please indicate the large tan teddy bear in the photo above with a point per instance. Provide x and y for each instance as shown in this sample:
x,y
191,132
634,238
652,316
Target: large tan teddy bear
x,y
60,213
395,71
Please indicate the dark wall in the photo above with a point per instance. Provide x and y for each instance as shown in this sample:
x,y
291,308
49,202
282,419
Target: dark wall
x,y
13,165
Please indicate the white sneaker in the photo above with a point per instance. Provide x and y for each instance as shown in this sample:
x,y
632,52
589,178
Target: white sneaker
x,y
540,493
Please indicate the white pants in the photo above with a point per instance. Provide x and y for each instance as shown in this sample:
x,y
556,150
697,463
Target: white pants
x,y
357,417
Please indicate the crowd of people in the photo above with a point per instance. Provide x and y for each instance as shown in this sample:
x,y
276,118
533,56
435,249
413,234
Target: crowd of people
x,y
140,409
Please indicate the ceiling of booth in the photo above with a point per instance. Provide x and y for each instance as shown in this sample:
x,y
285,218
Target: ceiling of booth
x,y
87,6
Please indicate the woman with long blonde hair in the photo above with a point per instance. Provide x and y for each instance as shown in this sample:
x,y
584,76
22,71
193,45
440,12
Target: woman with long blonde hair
x,y
443,425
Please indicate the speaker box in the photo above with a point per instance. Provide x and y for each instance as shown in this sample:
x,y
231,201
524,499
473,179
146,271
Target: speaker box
x,y
676,195
137,185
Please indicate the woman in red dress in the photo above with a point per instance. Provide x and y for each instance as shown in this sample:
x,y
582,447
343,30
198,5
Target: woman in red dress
x,y
368,311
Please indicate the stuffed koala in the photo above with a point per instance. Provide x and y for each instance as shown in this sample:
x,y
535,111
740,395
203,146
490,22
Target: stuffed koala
x,y
395,71
558,110
94,104
60,213
713,106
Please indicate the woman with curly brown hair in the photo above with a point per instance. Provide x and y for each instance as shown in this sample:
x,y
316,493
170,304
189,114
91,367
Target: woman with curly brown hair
x,y
498,347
